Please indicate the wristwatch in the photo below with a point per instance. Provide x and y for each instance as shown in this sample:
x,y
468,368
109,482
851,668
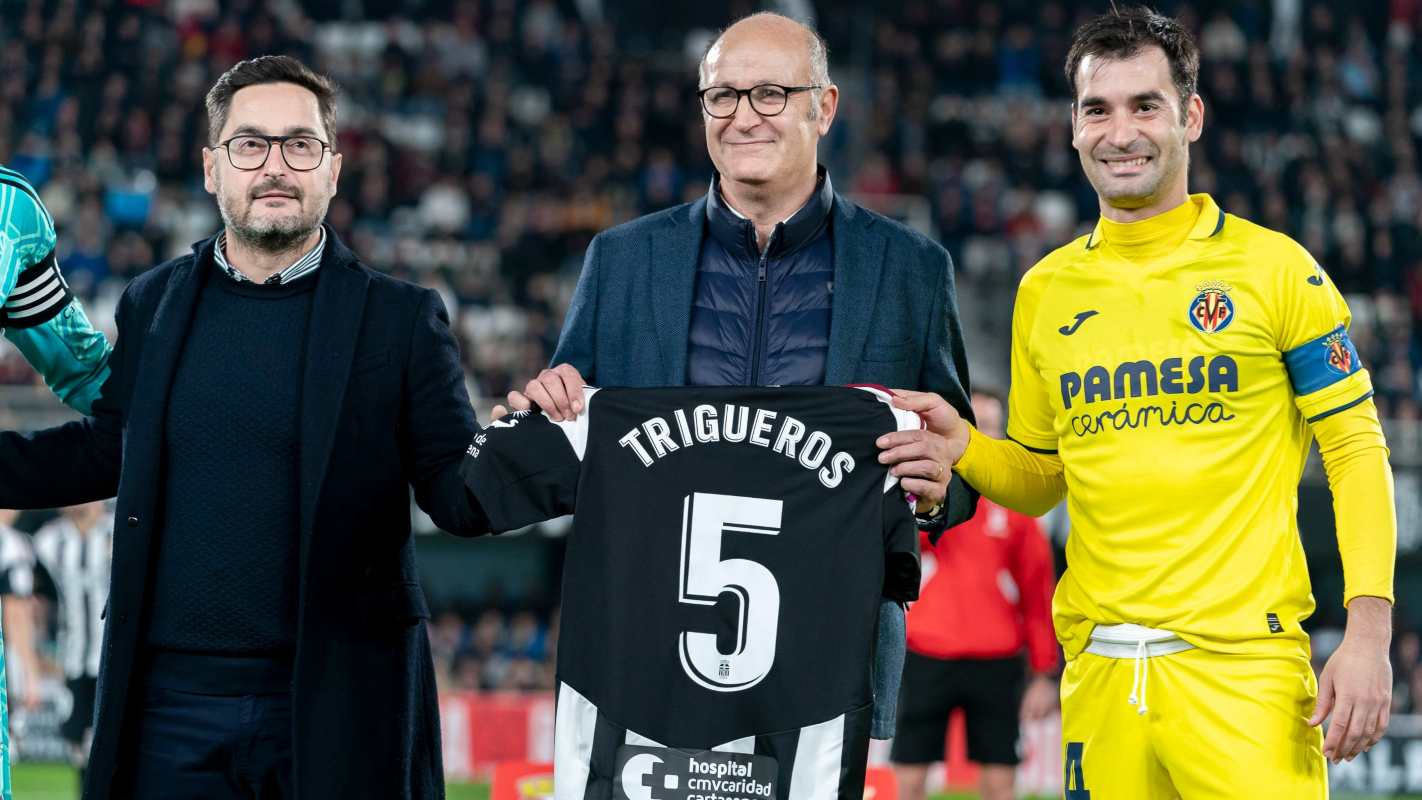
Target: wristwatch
x,y
934,520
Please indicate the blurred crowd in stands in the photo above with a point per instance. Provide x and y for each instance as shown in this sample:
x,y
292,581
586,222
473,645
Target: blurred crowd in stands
x,y
494,650
486,141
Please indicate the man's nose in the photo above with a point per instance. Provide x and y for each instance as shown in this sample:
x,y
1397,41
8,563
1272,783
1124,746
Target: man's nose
x,y
275,165
1122,132
746,116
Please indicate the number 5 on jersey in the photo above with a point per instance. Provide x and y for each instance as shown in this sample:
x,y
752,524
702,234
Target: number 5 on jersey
x,y
705,577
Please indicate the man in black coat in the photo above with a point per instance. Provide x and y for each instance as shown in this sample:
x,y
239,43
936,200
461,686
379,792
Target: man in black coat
x,y
271,402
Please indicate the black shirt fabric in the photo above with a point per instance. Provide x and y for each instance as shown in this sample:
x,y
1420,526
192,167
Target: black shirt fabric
x,y
723,578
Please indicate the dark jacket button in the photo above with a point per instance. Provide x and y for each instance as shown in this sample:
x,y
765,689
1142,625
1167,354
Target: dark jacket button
x,y
133,522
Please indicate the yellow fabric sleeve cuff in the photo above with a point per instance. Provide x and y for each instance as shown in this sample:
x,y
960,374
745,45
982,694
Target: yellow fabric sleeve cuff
x,y
1012,476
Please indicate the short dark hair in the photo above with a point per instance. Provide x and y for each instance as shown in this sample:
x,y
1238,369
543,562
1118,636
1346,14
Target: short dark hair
x,y
263,70
1124,33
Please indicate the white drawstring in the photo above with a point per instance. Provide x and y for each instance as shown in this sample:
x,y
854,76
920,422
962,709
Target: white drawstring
x,y
1140,644
1140,673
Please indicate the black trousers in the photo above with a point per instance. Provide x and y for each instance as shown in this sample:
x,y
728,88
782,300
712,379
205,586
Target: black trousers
x,y
206,742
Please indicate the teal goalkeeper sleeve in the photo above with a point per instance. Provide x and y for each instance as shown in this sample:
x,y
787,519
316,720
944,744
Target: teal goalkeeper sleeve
x,y
40,315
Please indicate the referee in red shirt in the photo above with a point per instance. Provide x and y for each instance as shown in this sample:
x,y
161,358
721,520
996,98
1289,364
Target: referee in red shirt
x,y
987,595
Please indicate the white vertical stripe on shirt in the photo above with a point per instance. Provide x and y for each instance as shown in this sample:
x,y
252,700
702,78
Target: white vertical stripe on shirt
x,y
575,720
818,759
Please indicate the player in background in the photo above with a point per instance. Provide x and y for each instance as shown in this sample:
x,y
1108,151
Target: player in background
x,y
17,613
1169,373
40,316
17,586
76,550
987,594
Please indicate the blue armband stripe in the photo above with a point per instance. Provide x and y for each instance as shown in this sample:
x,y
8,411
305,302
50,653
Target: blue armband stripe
x,y
1322,362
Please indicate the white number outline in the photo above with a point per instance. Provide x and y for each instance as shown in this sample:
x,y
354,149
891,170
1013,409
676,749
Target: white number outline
x,y
702,568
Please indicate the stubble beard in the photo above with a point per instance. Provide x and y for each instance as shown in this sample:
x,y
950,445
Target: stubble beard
x,y
273,234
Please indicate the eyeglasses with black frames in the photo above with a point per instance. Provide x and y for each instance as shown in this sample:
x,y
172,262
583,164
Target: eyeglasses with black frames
x,y
249,151
766,99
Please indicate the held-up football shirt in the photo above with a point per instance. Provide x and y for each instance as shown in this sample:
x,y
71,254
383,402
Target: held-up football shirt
x,y
721,585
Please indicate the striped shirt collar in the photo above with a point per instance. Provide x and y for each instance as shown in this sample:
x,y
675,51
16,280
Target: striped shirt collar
x,y
303,266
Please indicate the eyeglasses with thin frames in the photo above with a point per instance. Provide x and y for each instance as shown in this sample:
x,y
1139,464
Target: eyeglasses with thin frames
x,y
766,99
249,151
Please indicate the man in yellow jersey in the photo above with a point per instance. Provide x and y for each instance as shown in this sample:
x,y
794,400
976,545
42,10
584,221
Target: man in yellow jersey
x,y
1169,371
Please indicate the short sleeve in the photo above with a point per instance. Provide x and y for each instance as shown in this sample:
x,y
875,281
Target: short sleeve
x,y
1030,415
1324,369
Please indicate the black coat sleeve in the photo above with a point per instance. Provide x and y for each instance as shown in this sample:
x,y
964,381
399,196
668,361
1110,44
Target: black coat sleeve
x,y
438,420
80,461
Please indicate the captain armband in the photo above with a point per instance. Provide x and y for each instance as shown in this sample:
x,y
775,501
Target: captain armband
x,y
39,295
1327,375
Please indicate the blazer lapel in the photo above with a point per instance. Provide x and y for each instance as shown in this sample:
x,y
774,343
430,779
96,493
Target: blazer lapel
x,y
162,347
858,260
336,313
673,278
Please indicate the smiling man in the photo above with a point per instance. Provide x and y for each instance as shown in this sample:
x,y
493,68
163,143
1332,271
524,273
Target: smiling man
x,y
270,403
771,279
1170,371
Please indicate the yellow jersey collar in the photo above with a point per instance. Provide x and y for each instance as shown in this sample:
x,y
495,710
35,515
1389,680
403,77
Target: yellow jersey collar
x,y
1210,222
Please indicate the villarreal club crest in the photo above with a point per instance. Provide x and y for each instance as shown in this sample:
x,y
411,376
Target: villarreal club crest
x,y
1340,356
1212,311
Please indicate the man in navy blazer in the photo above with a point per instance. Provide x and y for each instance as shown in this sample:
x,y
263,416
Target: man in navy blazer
x,y
271,402
772,278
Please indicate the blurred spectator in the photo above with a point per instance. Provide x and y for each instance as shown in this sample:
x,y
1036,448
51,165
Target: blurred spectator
x,y
76,550
17,581
498,651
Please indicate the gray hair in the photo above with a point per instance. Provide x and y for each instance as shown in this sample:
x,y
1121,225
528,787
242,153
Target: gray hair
x,y
819,56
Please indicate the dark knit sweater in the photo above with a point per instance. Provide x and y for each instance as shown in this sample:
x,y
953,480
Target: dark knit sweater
x,y
225,577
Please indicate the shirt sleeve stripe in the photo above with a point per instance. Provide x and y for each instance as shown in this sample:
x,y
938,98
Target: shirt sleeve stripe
x,y
1322,362
1344,407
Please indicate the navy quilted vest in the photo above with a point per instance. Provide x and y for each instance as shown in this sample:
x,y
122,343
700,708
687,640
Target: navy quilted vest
x,y
763,319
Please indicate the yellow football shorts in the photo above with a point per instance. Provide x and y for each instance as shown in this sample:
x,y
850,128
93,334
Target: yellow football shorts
x,y
1215,726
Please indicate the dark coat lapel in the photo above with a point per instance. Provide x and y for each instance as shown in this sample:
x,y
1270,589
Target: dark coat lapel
x,y
675,251
162,347
336,313
858,260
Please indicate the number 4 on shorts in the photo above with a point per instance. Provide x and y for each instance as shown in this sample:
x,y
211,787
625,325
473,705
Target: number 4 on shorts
x,y
1073,779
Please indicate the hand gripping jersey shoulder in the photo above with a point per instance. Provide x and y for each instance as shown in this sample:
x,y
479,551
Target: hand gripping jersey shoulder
x,y
722,581
38,313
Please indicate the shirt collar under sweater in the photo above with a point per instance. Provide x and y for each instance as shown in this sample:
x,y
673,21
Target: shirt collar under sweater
x,y
303,266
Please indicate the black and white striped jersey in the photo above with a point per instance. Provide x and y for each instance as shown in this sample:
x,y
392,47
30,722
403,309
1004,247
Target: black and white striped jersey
x,y
721,585
79,563
17,563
